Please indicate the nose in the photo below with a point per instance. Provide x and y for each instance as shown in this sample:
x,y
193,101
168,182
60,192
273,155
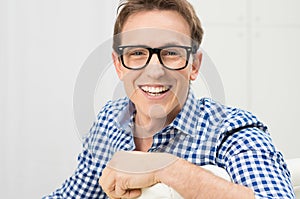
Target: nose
x,y
155,69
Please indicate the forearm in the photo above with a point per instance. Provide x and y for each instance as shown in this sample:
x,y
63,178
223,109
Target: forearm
x,y
200,183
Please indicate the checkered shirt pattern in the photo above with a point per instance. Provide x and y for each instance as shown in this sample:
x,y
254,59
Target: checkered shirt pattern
x,y
204,132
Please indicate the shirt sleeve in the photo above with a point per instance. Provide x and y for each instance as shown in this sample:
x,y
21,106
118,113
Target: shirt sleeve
x,y
251,159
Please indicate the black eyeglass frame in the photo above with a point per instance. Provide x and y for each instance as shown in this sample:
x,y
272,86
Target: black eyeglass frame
x,y
156,51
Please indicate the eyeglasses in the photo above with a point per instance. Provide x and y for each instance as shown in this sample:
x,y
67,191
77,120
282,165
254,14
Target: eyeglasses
x,y
171,57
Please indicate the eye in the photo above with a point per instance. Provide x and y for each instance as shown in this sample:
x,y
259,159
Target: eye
x,y
136,52
171,52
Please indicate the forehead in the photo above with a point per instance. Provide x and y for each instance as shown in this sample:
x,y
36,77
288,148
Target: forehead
x,y
153,37
156,27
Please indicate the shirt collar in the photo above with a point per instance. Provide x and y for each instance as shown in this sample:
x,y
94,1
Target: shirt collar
x,y
125,118
185,121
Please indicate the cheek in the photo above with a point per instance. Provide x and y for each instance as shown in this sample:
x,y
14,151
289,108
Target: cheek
x,y
129,88
129,80
182,85
183,77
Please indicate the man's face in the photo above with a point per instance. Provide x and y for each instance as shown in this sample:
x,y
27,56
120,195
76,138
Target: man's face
x,y
157,92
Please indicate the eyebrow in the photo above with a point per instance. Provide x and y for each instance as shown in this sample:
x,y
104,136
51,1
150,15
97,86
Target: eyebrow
x,y
173,43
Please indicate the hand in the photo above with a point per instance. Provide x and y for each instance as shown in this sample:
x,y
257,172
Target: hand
x,y
130,171
118,184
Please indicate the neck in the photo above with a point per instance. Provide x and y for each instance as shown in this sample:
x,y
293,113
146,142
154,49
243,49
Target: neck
x,y
144,130
148,127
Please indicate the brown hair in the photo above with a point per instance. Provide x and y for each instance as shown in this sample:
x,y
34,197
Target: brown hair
x,y
183,7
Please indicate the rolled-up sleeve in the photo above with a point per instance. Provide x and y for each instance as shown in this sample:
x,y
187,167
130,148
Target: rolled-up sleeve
x,y
252,160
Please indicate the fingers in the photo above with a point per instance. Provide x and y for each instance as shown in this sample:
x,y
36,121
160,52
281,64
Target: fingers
x,y
107,183
125,188
129,193
120,189
125,176
116,185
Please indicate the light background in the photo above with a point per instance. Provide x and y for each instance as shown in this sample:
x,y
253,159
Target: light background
x,y
43,44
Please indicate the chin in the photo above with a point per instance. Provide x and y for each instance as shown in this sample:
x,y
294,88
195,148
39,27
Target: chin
x,y
159,111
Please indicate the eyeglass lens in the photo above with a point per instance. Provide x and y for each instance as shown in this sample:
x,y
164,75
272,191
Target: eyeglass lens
x,y
173,57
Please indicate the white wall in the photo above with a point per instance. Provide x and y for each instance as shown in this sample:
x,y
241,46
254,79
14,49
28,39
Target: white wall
x,y
255,45
43,44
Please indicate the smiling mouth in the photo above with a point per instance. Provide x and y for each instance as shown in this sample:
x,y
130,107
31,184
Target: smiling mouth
x,y
155,90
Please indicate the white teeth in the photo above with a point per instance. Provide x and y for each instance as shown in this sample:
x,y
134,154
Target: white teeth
x,y
154,90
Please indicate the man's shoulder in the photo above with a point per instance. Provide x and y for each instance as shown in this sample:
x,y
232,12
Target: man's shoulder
x,y
231,125
114,107
226,117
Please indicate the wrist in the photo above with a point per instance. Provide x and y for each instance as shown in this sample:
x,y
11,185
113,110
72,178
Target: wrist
x,y
169,174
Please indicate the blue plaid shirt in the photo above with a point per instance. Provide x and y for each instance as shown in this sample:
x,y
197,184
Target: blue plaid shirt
x,y
204,132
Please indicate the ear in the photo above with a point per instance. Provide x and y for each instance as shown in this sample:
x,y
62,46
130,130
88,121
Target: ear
x,y
197,59
118,65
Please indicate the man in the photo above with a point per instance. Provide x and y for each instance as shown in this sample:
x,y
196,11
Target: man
x,y
155,55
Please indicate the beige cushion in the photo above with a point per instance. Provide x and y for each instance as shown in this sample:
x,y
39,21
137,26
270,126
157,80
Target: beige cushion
x,y
163,191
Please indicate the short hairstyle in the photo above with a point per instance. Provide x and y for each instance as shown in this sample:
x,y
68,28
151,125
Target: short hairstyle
x,y
183,7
